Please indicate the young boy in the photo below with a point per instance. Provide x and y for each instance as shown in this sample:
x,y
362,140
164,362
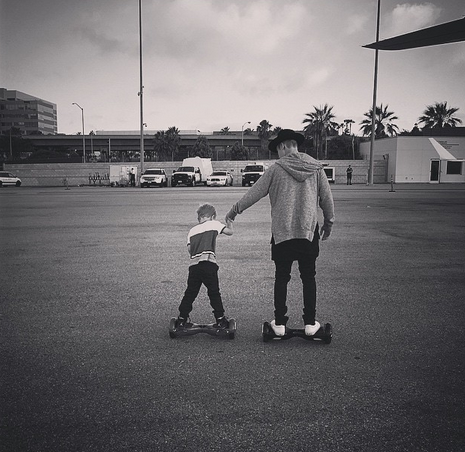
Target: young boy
x,y
203,268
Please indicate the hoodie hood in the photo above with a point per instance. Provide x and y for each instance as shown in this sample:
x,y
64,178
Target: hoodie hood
x,y
300,166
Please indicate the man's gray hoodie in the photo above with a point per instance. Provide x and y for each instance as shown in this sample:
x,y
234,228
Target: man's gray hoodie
x,y
297,185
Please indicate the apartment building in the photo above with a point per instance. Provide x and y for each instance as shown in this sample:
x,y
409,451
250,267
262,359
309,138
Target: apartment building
x,y
27,113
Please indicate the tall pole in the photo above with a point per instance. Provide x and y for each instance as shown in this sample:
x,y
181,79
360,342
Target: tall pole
x,y
11,147
242,132
373,113
83,135
141,92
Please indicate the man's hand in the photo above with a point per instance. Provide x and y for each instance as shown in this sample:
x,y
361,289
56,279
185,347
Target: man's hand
x,y
230,216
229,222
325,231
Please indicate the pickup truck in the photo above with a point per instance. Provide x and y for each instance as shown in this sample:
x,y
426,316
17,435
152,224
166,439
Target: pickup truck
x,y
251,173
194,171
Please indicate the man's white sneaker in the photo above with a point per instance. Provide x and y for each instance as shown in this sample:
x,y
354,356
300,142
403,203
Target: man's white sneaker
x,y
279,330
310,330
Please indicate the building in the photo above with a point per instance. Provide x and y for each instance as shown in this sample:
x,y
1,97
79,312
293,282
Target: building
x,y
439,158
116,146
27,113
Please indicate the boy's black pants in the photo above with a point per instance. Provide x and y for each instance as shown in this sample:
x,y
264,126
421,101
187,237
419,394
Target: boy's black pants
x,y
284,254
202,273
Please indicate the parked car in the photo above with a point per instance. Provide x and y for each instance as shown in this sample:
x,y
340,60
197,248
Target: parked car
x,y
153,177
218,178
7,178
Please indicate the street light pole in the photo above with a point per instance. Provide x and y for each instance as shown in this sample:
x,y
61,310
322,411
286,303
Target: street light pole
x,y
242,132
141,92
83,136
373,113
91,133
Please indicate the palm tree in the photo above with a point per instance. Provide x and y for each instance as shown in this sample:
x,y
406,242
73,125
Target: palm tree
x,y
165,145
319,125
384,125
161,148
224,131
439,116
264,132
174,141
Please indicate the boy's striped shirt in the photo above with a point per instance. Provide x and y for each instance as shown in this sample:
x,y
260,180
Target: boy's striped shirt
x,y
202,241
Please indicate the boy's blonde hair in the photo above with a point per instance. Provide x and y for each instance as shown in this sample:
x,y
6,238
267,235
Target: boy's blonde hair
x,y
206,210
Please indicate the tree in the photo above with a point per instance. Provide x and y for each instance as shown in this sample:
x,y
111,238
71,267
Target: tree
x,y
320,124
224,131
239,152
201,148
174,141
165,145
384,125
161,149
264,133
439,116
12,145
343,147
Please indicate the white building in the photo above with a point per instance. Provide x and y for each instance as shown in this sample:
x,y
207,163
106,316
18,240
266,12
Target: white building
x,y
419,159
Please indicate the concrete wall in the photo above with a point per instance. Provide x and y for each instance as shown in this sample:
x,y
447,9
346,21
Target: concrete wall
x,y
74,174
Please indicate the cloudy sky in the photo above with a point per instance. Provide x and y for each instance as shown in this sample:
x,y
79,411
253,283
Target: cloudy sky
x,y
209,64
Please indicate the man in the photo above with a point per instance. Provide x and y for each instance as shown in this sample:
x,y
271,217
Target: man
x,y
132,177
296,185
349,172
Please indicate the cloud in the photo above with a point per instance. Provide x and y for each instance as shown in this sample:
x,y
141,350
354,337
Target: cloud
x,y
109,31
356,23
409,17
205,28
255,48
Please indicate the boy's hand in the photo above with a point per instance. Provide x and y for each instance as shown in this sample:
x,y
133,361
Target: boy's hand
x,y
228,230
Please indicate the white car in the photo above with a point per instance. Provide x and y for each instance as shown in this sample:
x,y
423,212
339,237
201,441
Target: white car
x,y
153,176
7,178
220,178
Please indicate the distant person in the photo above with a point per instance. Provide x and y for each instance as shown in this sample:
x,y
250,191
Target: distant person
x,y
203,267
349,172
296,185
132,177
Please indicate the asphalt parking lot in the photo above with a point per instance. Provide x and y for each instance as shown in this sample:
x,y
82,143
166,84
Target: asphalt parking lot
x,y
92,275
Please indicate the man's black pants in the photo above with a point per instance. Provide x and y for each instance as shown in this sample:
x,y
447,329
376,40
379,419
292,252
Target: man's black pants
x,y
284,254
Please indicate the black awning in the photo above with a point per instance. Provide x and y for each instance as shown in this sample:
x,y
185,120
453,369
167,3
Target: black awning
x,y
439,34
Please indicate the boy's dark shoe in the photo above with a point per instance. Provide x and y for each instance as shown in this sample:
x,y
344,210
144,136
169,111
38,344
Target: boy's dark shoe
x,y
181,322
222,322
